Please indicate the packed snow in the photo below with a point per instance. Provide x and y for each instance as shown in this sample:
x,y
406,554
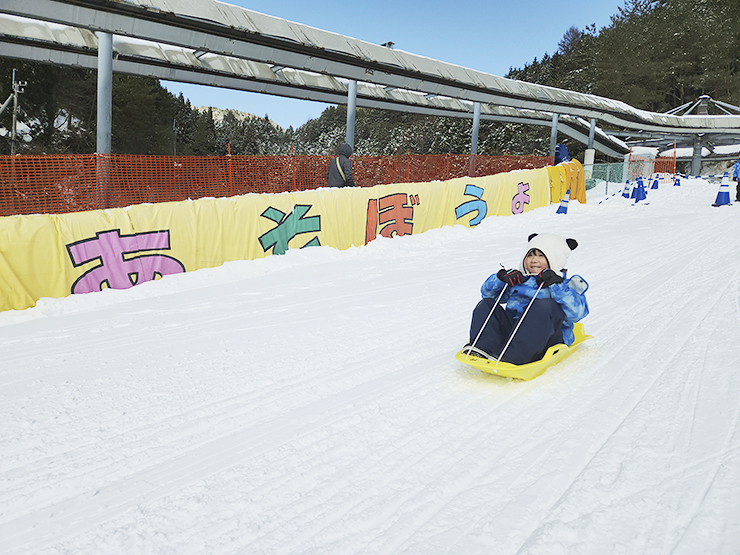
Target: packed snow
x,y
310,403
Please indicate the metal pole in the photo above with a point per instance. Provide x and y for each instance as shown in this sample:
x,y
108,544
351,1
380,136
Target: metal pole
x,y
696,158
554,134
351,106
105,117
588,156
14,126
591,133
105,92
476,127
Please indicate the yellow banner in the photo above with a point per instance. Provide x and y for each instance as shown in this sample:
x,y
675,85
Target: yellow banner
x,y
59,255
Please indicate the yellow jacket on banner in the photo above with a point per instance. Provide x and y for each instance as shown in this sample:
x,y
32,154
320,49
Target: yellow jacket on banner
x,y
84,252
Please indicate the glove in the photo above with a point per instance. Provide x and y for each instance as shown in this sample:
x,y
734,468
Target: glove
x,y
511,277
547,278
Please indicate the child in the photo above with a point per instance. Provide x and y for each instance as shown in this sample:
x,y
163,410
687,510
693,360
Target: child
x,y
559,303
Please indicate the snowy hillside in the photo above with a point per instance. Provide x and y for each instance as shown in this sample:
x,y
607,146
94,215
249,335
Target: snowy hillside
x,y
311,403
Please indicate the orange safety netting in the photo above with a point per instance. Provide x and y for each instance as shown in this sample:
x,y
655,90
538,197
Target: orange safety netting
x,y
665,165
55,184
638,166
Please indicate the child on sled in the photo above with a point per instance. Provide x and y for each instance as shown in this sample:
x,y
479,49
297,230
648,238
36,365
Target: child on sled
x,y
542,304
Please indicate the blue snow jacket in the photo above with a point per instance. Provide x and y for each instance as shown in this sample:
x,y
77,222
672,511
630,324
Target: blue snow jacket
x,y
570,295
736,171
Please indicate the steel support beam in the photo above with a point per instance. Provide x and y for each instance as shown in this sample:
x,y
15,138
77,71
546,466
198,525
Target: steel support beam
x,y
696,158
591,133
476,127
554,134
105,92
351,109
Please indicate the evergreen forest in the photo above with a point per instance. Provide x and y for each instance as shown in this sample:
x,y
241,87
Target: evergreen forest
x,y
654,55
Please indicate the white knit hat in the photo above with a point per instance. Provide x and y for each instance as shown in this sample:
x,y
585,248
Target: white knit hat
x,y
555,248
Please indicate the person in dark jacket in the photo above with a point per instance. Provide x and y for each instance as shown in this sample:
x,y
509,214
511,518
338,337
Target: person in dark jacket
x,y
339,173
736,178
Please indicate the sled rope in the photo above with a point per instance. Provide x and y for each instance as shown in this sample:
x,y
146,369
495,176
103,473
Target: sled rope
x,y
519,323
486,322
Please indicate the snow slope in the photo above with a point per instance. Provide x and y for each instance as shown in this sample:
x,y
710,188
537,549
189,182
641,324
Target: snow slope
x,y
310,403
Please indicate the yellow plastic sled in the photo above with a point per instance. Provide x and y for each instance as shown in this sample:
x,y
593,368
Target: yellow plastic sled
x,y
554,354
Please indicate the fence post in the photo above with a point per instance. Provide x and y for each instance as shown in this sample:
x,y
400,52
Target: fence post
x,y
408,166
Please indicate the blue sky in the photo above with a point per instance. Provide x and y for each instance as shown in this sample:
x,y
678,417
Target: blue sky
x,y
490,36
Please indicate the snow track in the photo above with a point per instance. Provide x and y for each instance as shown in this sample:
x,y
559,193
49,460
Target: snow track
x,y
311,403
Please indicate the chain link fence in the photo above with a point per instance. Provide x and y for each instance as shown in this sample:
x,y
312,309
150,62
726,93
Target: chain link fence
x,y
629,170
610,173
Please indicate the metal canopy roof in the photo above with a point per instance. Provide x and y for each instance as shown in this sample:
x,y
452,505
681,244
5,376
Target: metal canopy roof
x,y
207,42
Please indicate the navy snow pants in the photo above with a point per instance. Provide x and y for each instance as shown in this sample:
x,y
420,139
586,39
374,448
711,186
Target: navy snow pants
x,y
540,329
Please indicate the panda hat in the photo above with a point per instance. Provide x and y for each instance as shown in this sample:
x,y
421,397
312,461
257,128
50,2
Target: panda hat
x,y
555,248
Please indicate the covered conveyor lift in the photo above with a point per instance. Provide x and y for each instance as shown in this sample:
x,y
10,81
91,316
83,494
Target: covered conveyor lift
x,y
217,44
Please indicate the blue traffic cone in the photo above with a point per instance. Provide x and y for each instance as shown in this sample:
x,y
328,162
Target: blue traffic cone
x,y
637,188
626,191
723,196
640,193
655,184
563,208
676,181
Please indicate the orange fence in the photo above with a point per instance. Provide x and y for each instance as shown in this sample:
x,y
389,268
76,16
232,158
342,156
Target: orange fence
x,y
54,184
638,166
665,165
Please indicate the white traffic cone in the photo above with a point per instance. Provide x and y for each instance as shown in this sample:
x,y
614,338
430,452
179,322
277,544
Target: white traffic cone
x,y
723,196
563,208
